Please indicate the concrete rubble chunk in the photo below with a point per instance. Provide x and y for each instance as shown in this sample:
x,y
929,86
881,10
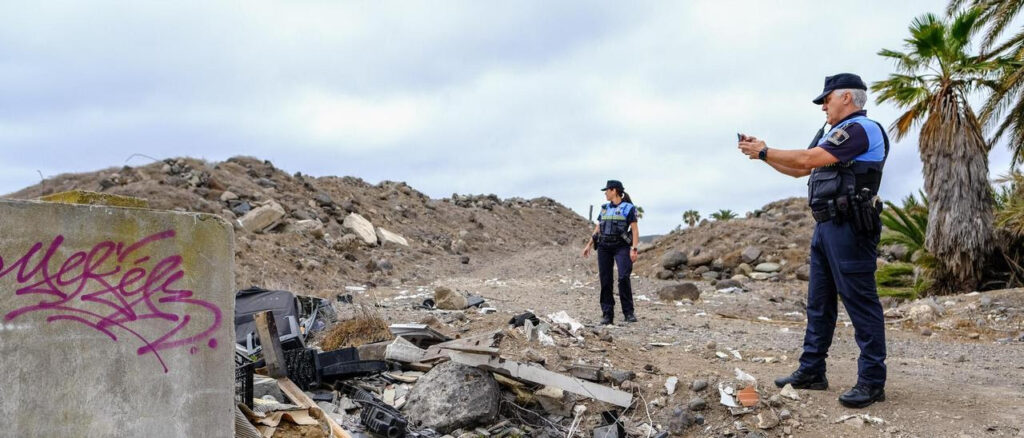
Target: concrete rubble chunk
x,y
361,227
79,369
387,237
262,217
312,227
452,396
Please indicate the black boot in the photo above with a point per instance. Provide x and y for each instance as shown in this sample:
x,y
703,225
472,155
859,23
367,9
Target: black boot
x,y
802,380
862,395
630,318
606,319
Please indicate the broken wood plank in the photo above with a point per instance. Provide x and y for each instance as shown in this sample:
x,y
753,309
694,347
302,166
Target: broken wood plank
x,y
299,398
537,374
270,342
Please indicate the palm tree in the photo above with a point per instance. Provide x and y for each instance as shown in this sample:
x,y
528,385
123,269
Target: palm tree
x,y
934,77
1004,109
691,217
723,215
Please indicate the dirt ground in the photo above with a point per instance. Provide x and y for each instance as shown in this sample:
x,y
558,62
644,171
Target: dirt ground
x,y
942,385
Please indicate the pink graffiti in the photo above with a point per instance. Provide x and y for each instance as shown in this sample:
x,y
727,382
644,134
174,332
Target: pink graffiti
x,y
113,289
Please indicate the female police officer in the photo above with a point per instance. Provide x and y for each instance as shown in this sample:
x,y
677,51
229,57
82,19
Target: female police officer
x,y
616,237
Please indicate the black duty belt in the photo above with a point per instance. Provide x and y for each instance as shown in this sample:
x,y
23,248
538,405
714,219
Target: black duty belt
x,y
821,215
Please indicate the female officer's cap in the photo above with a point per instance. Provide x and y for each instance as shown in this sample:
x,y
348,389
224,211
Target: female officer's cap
x,y
840,81
613,184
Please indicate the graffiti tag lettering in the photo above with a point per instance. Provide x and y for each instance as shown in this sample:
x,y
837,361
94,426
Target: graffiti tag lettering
x,y
115,288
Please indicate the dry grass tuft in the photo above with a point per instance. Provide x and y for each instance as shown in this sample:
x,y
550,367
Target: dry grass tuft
x,y
366,327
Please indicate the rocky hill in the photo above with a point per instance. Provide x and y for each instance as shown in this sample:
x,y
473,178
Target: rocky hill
x,y
314,234
775,237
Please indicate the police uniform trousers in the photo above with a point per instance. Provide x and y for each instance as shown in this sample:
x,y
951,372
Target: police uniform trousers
x,y
606,257
843,264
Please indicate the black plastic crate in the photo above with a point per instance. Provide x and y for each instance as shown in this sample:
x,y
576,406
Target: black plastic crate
x,y
243,383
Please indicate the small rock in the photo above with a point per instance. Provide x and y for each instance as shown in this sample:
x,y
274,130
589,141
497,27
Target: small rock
x,y
699,260
665,274
803,272
228,196
751,254
711,345
709,275
744,269
679,291
767,420
697,404
760,276
789,392
699,385
728,283
768,267
785,415
974,335
322,199
926,331
464,260
670,385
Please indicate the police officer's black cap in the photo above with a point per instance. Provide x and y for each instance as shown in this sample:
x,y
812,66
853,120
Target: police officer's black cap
x,y
840,81
613,184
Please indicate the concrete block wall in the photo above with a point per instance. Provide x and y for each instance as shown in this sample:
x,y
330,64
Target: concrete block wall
x,y
115,322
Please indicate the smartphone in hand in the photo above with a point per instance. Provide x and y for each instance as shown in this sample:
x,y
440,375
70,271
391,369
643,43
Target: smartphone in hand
x,y
739,137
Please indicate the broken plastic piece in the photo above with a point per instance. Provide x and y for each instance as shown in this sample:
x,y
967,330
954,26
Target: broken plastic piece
x,y
375,415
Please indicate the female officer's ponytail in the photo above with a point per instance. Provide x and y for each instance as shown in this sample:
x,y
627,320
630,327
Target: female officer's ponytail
x,y
626,198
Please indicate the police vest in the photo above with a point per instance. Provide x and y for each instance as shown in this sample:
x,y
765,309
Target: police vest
x,y
613,219
846,179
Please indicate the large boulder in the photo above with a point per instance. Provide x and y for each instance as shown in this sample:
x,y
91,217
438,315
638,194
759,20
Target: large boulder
x,y
387,237
673,259
677,292
453,396
262,217
361,227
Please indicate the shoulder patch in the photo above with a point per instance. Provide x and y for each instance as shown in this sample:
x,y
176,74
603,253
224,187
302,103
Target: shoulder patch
x,y
838,136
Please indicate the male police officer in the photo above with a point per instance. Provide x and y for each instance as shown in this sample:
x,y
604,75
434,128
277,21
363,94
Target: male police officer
x,y
845,168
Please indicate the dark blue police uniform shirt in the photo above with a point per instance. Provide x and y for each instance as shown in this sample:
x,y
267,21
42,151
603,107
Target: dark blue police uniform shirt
x,y
854,146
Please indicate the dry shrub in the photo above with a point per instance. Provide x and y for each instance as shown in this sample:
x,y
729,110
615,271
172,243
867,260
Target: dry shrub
x,y
366,327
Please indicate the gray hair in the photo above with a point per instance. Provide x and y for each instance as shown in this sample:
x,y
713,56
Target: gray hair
x,y
860,97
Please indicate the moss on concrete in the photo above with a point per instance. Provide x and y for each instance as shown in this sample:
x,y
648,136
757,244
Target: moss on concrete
x,y
94,198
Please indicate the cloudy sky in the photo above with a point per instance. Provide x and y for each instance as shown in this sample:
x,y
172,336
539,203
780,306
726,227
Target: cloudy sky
x,y
513,98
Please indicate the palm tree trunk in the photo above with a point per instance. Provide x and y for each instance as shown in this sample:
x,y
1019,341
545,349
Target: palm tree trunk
x,y
955,159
